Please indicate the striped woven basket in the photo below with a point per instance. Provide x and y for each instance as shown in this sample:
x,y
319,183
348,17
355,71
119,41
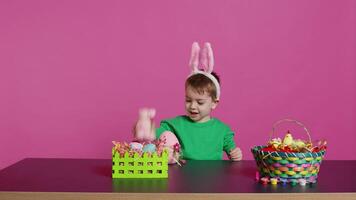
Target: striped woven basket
x,y
288,166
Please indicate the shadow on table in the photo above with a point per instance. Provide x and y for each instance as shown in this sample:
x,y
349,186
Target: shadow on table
x,y
140,185
103,170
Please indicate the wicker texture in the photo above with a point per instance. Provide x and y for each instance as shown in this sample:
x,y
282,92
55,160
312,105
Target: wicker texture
x,y
288,165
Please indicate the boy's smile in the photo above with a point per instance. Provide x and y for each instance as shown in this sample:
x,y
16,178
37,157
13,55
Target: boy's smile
x,y
198,106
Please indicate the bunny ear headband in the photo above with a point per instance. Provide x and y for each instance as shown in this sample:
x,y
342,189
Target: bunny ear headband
x,y
206,63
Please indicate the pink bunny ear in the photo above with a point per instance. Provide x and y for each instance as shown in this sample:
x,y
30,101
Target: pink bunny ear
x,y
204,59
210,55
194,57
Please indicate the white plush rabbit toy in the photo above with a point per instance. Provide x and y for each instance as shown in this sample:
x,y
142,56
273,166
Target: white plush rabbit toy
x,y
145,130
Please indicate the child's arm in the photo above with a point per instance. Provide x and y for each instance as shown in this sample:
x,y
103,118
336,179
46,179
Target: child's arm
x,y
234,153
164,126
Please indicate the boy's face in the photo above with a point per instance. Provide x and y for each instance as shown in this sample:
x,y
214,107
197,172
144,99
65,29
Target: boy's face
x,y
198,106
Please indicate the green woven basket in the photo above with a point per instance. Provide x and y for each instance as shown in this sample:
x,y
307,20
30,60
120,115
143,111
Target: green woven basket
x,y
136,166
285,165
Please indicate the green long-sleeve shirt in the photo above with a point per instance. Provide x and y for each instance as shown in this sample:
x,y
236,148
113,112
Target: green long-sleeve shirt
x,y
200,141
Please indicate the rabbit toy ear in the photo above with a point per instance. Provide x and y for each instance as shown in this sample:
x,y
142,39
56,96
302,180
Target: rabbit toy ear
x,y
210,57
194,57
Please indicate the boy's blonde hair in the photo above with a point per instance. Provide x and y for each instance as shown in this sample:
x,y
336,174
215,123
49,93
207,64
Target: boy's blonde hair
x,y
201,83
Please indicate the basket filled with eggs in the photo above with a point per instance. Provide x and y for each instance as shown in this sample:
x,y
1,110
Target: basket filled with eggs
x,y
146,156
136,160
146,159
289,160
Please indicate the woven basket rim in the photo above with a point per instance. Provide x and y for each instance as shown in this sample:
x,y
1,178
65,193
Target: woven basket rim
x,y
257,150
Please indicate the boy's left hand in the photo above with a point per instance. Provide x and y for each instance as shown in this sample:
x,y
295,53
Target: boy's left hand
x,y
235,154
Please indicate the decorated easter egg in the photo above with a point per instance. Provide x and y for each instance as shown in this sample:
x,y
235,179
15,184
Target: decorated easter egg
x,y
149,148
169,138
264,180
170,142
284,181
302,182
274,181
293,182
136,146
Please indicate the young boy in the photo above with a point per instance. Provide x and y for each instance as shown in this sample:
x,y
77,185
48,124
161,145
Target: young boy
x,y
201,136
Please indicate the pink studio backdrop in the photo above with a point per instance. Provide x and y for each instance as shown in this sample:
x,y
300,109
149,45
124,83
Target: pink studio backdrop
x,y
73,74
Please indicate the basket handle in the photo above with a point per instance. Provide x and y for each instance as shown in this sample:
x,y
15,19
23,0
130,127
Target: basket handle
x,y
288,120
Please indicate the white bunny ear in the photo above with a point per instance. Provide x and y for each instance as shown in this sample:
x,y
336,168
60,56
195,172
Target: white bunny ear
x,y
210,56
194,57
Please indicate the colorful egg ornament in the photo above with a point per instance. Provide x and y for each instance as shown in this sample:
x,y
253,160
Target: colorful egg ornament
x,y
136,146
302,182
274,181
264,180
150,148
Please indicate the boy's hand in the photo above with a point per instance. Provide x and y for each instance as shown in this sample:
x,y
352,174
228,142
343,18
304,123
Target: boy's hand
x,y
235,154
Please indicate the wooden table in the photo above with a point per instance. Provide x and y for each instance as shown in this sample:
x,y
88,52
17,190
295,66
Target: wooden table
x,y
36,178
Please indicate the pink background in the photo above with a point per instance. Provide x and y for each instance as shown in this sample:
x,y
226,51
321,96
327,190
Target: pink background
x,y
73,74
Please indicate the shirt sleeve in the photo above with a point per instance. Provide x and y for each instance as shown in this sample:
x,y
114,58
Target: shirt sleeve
x,y
164,126
229,142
